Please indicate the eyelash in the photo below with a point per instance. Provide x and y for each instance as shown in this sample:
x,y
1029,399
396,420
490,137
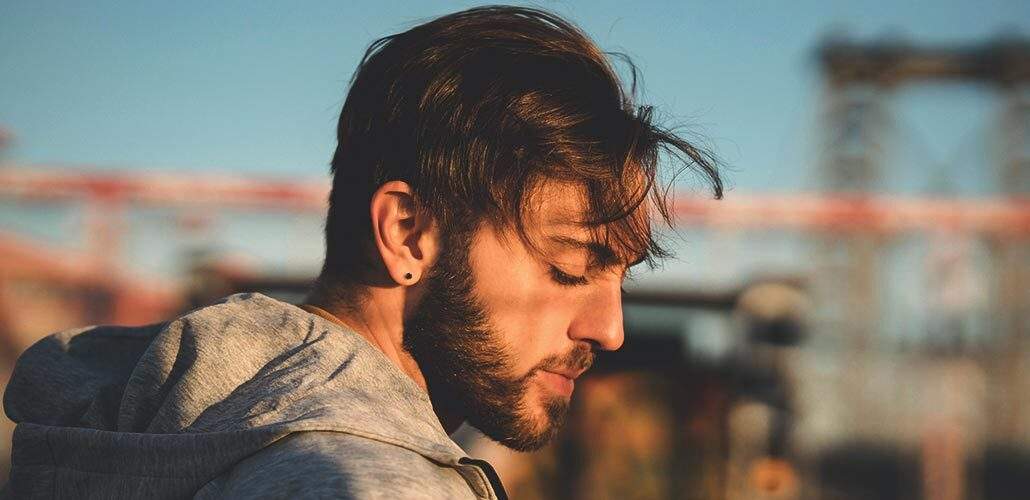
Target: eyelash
x,y
565,279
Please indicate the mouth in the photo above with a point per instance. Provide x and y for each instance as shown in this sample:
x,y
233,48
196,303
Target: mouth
x,y
558,382
560,376
567,373
562,381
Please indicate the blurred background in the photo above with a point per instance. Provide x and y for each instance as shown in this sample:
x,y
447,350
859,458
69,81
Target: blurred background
x,y
851,322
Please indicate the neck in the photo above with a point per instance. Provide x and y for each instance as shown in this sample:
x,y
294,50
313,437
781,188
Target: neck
x,y
379,318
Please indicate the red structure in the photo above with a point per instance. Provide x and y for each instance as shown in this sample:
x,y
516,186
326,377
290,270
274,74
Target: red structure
x,y
104,197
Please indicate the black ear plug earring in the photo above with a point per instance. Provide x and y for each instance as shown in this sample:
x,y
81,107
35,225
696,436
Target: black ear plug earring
x,y
407,276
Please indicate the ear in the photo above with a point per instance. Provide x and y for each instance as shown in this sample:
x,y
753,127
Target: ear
x,y
407,240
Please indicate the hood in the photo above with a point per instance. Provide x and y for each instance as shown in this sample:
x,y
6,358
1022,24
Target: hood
x,y
176,404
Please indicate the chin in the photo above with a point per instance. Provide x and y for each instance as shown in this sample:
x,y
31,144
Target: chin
x,y
543,418
527,424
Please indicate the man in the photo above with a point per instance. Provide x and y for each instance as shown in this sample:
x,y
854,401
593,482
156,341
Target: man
x,y
492,184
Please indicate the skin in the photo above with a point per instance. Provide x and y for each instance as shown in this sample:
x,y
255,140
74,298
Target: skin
x,y
540,314
540,305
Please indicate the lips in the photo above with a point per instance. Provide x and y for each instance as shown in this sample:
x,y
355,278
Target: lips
x,y
573,364
558,382
561,372
567,373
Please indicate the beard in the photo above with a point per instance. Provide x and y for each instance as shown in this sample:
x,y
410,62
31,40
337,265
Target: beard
x,y
467,365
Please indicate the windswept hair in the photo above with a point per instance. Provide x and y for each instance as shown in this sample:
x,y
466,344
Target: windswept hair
x,y
475,109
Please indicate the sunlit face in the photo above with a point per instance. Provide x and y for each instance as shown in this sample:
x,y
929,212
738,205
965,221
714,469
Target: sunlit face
x,y
503,331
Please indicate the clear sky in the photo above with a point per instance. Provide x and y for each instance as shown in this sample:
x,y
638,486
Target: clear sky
x,y
256,86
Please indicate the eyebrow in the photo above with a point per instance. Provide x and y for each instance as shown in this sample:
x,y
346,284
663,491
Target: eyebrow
x,y
601,256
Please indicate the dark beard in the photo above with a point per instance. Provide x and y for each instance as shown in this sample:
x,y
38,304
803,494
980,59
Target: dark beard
x,y
465,363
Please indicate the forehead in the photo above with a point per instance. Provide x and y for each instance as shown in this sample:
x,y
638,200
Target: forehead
x,y
558,213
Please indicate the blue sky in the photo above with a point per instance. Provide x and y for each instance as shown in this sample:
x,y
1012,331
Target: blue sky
x,y
256,86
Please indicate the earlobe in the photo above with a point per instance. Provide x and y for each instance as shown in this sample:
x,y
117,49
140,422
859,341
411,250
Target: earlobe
x,y
401,233
410,279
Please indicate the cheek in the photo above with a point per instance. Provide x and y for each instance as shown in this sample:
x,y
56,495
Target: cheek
x,y
532,320
525,308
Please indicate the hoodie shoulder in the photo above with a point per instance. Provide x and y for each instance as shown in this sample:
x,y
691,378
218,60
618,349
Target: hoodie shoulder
x,y
188,400
339,465
76,377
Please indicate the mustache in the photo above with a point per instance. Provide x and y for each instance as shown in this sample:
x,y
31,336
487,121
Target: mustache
x,y
579,358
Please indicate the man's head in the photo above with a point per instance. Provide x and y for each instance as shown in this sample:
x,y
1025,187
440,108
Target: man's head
x,y
492,163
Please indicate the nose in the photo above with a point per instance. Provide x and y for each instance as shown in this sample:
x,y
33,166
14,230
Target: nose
x,y
599,320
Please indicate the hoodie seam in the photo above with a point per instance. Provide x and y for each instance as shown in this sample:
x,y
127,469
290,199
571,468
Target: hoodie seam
x,y
342,430
184,477
451,460
53,459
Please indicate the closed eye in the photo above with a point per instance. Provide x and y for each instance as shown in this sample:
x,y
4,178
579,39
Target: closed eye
x,y
566,279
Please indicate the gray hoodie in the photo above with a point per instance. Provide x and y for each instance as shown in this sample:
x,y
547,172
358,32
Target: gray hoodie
x,y
251,397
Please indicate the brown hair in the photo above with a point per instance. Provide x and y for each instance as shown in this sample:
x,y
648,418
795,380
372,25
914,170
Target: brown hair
x,y
474,109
